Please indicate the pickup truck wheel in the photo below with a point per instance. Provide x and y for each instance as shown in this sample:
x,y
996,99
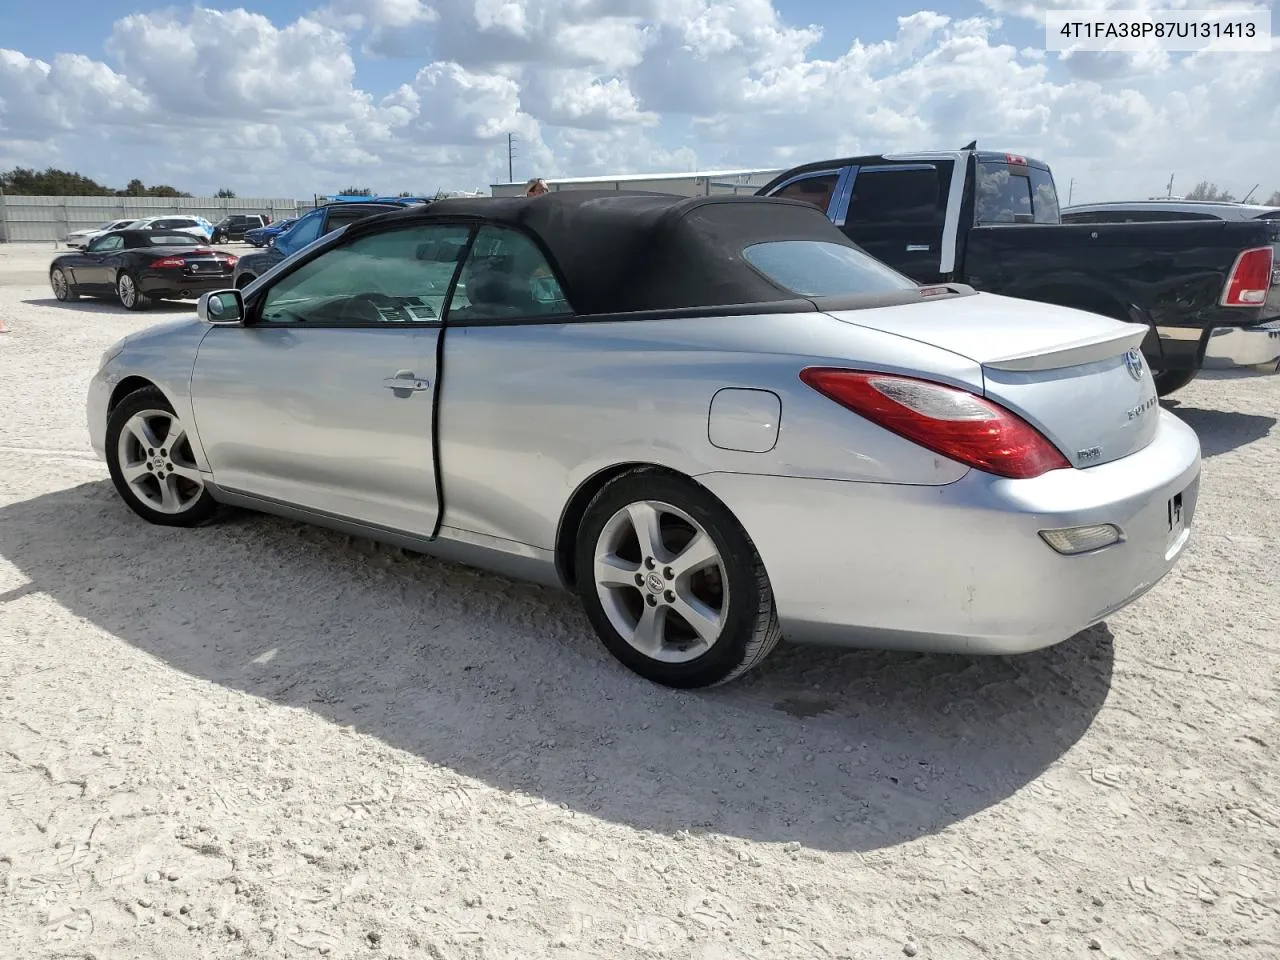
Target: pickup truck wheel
x,y
245,280
1167,381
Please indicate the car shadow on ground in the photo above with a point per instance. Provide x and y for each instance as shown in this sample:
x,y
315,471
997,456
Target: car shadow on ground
x,y
1221,431
93,305
504,682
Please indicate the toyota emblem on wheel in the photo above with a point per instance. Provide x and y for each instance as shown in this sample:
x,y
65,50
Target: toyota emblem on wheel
x,y
1133,362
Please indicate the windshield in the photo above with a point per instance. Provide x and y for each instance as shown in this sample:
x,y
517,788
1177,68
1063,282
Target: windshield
x,y
1007,197
819,268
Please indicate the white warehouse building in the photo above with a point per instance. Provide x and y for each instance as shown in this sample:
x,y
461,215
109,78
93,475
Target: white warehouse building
x,y
681,184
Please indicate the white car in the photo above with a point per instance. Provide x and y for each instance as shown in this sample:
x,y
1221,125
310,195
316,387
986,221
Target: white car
x,y
196,226
82,238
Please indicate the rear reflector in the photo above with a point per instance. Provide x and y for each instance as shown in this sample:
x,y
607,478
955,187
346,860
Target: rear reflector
x,y
1250,279
168,262
1073,540
955,423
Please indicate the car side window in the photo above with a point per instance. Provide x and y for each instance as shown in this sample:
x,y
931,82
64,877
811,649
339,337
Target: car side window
x,y
506,277
816,190
395,276
303,232
910,196
105,244
340,218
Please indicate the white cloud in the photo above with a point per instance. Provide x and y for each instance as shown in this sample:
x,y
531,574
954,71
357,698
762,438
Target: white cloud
x,y
410,94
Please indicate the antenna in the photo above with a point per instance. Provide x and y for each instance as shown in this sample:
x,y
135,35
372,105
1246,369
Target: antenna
x,y
1245,198
1169,189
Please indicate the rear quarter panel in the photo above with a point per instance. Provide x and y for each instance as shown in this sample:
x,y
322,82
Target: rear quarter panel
x,y
530,412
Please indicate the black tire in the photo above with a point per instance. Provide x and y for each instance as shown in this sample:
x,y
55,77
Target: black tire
x,y
749,628
1168,381
66,291
244,280
201,509
129,293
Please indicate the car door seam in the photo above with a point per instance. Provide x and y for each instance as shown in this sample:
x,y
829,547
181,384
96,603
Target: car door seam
x,y
437,470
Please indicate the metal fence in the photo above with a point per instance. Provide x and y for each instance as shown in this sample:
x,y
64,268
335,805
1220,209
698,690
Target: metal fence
x,y
49,219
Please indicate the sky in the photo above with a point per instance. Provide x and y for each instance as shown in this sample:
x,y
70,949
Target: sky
x,y
290,98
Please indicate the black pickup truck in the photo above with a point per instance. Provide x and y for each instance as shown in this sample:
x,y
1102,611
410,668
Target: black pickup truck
x,y
1209,291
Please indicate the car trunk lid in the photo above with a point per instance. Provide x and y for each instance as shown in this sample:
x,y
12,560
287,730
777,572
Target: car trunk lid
x,y
197,261
1078,377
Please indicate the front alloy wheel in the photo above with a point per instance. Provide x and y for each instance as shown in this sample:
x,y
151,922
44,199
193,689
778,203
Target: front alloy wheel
x,y
152,464
672,583
63,289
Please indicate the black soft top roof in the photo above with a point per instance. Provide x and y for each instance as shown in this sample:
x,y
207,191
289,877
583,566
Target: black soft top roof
x,y
625,251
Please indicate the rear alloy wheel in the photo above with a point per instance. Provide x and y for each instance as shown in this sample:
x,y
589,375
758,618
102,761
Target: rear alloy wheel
x,y
152,465
672,583
127,291
63,288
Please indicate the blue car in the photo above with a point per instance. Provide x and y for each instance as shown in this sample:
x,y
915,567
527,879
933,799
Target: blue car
x,y
309,228
261,236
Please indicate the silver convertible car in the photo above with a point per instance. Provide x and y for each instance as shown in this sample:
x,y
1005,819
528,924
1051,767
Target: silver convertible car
x,y
716,419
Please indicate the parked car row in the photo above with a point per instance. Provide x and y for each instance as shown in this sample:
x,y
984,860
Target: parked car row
x,y
197,227
230,228
827,450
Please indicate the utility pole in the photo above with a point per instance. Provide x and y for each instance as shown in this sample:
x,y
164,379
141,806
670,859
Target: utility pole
x,y
1071,190
1169,189
511,153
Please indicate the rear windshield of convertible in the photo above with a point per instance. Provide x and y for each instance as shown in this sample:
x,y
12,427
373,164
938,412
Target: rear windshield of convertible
x,y
817,268
172,240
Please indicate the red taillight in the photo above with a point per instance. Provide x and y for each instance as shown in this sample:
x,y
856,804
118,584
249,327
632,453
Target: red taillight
x,y
166,263
1250,279
229,259
954,423
1014,160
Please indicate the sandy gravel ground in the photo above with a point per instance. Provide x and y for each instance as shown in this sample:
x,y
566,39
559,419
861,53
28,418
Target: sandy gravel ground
x,y
266,740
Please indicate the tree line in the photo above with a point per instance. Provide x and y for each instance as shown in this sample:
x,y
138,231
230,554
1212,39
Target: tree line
x,y
1204,190
51,182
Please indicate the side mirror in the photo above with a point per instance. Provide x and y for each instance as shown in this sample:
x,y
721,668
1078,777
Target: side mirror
x,y
221,306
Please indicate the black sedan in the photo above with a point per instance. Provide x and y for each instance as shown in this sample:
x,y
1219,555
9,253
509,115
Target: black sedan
x,y
139,266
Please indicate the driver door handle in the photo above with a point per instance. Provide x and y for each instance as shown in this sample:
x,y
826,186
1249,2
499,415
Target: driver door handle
x,y
405,380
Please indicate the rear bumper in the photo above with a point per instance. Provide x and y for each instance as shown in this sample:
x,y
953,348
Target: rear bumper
x,y
1244,346
961,568
1234,347
175,284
